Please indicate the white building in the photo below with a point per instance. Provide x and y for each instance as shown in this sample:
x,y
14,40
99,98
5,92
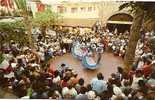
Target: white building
x,y
86,13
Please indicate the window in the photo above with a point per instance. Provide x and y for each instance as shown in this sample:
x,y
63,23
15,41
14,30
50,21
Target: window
x,y
73,10
89,9
60,9
65,9
94,8
83,9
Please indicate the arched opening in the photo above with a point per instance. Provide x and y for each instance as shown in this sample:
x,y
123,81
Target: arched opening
x,y
121,21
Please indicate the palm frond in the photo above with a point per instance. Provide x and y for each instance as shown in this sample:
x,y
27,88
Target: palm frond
x,y
124,5
21,5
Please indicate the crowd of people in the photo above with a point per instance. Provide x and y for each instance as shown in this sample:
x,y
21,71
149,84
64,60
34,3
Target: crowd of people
x,y
28,74
61,42
117,43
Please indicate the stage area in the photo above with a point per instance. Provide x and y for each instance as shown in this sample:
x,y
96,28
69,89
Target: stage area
x,y
108,65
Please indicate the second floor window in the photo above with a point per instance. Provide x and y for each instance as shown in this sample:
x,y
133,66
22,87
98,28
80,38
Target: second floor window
x,y
73,10
83,9
60,9
89,9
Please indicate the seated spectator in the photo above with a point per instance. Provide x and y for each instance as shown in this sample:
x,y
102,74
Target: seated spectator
x,y
92,95
114,80
69,92
146,68
98,84
64,82
56,78
142,87
138,76
120,73
151,84
74,79
117,93
82,95
79,84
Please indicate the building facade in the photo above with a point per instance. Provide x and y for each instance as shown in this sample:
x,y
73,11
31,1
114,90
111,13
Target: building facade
x,y
78,14
85,14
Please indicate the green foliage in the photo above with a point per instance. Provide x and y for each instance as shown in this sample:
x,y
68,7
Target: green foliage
x,y
11,26
26,14
23,11
22,6
13,31
46,18
147,7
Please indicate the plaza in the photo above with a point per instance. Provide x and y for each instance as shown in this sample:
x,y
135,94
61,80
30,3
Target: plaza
x,y
82,50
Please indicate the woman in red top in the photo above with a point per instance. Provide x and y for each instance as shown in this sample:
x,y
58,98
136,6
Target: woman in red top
x,y
64,82
146,69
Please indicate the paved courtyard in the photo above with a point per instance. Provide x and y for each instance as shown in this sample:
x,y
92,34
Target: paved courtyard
x,y
108,65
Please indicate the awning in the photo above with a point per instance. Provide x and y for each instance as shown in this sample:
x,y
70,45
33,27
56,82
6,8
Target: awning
x,y
119,22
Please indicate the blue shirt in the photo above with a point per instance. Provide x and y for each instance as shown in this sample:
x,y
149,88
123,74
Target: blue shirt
x,y
98,85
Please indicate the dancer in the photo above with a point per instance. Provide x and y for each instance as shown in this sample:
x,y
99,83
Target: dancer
x,y
99,51
99,57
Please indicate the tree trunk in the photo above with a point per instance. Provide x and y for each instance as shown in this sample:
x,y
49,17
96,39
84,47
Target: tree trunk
x,y
30,36
134,37
29,31
43,31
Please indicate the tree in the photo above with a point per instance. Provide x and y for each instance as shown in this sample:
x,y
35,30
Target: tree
x,y
12,31
25,13
46,19
142,11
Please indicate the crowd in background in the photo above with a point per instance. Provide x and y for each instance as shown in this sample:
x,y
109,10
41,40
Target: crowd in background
x,y
27,73
61,42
